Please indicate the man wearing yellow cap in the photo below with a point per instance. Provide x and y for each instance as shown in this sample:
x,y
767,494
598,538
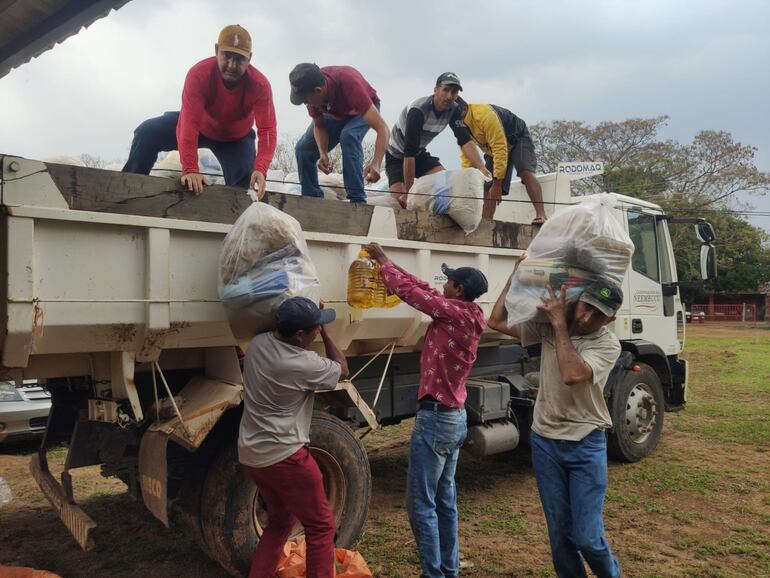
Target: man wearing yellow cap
x,y
223,98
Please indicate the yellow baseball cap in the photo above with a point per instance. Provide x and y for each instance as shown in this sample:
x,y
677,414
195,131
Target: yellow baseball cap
x,y
234,38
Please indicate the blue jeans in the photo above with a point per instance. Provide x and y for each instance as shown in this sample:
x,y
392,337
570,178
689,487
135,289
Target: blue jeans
x,y
349,133
431,495
159,134
572,480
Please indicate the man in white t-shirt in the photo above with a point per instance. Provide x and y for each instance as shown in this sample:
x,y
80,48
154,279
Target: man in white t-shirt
x,y
568,440
281,376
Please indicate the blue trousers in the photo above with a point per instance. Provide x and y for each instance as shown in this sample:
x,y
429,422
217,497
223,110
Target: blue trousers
x,y
572,480
349,134
431,495
159,134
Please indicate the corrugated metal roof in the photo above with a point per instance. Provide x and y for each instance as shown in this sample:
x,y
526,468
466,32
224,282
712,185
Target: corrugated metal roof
x,y
30,27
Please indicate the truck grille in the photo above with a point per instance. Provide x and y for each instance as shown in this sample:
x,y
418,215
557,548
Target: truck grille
x,y
38,422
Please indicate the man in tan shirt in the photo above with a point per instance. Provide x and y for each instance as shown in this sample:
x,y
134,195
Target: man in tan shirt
x,y
569,451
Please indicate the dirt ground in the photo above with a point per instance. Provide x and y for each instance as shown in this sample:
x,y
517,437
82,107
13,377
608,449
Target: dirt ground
x,y
699,506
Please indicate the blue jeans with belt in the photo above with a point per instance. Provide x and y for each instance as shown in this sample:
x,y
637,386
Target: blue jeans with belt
x,y
431,495
349,133
572,480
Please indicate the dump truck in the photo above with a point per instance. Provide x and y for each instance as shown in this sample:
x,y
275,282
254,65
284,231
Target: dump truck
x,y
109,293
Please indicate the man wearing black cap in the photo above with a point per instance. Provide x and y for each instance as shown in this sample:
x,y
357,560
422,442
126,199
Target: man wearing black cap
x,y
281,376
418,124
569,447
343,106
448,354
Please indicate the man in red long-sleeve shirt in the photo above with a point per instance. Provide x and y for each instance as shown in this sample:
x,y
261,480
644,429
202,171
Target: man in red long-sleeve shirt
x,y
448,354
223,97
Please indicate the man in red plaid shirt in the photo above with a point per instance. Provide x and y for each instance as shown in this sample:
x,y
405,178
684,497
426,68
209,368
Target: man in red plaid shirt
x,y
448,354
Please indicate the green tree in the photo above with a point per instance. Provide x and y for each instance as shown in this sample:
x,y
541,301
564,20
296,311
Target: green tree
x,y
700,179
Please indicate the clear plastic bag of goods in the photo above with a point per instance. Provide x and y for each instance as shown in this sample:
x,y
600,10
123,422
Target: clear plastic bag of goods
x,y
264,261
578,245
458,194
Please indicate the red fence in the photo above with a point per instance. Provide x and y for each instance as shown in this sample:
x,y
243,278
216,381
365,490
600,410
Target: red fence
x,y
732,312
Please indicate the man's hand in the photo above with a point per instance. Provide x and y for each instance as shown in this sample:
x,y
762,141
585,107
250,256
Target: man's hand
x,y
257,182
372,174
194,182
555,307
496,192
324,164
486,173
402,199
376,252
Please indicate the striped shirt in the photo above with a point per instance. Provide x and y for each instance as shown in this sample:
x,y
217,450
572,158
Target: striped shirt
x,y
419,123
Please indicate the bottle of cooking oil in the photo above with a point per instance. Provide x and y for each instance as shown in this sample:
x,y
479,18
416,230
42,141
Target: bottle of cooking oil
x,y
362,282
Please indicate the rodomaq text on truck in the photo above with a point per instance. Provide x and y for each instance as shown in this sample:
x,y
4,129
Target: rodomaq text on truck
x,y
110,293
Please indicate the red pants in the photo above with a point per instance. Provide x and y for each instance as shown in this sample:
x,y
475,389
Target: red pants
x,y
293,490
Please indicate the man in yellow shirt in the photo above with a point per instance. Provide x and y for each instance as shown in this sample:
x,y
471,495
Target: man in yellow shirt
x,y
504,138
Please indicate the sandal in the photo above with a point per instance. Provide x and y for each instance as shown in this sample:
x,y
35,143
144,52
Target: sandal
x,y
538,221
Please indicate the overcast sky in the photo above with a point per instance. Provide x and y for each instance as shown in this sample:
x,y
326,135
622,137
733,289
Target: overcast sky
x,y
704,63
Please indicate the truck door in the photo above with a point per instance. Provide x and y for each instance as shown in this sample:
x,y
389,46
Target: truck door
x,y
651,284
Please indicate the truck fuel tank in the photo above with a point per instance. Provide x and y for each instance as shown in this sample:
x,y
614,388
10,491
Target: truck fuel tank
x,y
492,438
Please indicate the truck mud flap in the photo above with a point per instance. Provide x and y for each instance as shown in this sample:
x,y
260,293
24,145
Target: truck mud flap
x,y
76,520
204,401
153,472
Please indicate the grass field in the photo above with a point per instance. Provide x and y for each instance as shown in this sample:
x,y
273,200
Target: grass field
x,y
699,506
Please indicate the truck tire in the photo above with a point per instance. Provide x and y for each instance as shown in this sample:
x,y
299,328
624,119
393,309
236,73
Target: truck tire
x,y
232,514
637,406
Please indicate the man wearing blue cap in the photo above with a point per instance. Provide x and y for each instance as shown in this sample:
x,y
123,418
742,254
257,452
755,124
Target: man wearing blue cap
x,y
281,376
569,445
448,354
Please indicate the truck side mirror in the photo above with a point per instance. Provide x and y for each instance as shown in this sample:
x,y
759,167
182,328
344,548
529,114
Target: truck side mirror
x,y
708,261
705,232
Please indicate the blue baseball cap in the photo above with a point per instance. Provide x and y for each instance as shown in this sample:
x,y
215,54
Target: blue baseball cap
x,y
302,313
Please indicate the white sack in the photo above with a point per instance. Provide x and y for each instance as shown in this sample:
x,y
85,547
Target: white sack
x,y
458,194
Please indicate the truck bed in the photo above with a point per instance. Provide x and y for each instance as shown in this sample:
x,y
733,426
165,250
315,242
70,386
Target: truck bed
x,y
103,261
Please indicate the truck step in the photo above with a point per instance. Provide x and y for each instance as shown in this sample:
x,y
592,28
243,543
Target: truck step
x,y
76,520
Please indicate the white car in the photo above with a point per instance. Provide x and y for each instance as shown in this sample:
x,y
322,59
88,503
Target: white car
x,y
23,411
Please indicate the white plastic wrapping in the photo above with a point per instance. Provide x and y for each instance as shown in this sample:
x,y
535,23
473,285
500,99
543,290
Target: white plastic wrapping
x,y
458,194
264,261
576,246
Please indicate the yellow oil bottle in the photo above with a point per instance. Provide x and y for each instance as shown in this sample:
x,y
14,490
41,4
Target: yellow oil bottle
x,y
362,282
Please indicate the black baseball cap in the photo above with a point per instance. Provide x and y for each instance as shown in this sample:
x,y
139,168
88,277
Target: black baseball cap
x,y
304,78
473,281
301,313
449,78
605,295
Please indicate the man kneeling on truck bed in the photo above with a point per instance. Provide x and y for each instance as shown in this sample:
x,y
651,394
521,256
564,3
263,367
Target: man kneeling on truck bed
x,y
447,357
569,447
280,377
222,99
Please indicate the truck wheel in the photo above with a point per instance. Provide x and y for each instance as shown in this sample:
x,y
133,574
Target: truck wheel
x,y
637,407
233,515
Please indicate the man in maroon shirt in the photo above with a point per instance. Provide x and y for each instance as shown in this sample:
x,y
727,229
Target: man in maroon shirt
x,y
343,106
448,354
223,97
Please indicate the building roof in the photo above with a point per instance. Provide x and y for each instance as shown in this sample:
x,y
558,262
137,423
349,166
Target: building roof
x,y
30,27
